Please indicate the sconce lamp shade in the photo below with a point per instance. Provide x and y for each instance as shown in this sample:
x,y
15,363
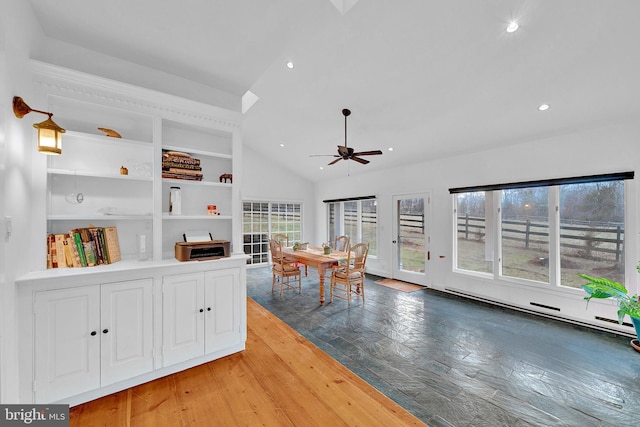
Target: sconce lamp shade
x,y
49,137
49,133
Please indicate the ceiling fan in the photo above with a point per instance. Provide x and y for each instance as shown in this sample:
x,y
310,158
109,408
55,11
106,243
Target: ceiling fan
x,y
348,153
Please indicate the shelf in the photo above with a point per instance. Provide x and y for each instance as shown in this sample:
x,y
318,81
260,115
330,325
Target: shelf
x,y
139,201
103,139
97,217
202,183
86,174
207,217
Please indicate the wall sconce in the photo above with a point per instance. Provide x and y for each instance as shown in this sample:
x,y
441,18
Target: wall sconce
x,y
49,133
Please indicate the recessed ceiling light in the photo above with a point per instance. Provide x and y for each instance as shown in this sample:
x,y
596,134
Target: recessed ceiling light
x,y
543,107
390,148
321,168
290,65
512,27
281,145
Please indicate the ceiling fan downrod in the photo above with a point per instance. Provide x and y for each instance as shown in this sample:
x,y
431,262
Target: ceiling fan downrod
x,y
345,112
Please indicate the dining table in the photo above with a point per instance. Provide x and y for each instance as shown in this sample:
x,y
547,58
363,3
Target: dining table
x,y
315,257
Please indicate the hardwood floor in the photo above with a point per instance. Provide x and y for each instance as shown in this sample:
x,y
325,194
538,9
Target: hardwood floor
x,y
281,379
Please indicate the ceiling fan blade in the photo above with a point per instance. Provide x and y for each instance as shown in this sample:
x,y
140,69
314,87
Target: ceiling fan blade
x,y
367,153
335,161
359,160
323,155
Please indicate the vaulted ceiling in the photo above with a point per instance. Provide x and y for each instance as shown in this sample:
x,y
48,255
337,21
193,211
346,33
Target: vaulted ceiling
x,y
429,79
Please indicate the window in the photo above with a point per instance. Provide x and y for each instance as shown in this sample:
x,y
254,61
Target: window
x,y
525,233
474,238
286,219
356,218
592,231
549,231
262,219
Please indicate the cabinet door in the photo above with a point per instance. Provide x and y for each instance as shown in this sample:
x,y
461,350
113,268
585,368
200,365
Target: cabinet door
x,y
183,317
222,302
126,330
67,342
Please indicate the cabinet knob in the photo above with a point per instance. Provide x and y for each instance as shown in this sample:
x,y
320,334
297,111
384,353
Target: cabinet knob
x,y
93,333
201,310
104,331
208,308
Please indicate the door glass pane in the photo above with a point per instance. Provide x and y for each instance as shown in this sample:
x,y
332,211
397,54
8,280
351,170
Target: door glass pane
x,y
474,244
525,233
411,238
591,231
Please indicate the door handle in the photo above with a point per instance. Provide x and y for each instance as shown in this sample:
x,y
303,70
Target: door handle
x,y
393,241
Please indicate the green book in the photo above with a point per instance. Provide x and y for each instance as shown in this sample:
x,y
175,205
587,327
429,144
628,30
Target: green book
x,y
78,240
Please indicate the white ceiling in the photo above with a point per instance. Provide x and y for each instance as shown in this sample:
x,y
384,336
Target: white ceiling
x,y
429,78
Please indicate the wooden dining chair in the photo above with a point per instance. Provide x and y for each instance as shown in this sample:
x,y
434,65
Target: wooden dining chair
x,y
284,241
341,244
285,272
282,238
347,281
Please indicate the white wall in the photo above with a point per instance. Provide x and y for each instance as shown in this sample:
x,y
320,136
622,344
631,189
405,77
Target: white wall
x,y
611,148
18,34
262,181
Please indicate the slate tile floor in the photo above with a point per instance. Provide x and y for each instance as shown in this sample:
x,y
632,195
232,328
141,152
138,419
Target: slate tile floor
x,y
457,362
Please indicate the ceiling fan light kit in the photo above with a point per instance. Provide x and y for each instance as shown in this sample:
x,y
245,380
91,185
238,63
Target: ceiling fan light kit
x,y
348,153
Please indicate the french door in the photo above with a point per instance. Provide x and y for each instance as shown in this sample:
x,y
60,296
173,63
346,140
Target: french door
x,y
411,225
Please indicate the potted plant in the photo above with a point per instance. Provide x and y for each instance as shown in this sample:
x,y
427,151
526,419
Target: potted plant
x,y
327,248
603,288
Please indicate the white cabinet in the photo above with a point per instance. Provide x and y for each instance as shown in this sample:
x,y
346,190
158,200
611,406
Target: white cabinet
x,y
201,314
127,330
91,336
67,342
88,332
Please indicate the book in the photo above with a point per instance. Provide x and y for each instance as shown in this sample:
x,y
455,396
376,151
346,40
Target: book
x,y
88,246
112,243
71,246
52,250
75,233
94,235
48,253
60,254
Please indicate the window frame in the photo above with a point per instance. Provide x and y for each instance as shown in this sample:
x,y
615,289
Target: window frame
x,y
336,223
264,239
555,282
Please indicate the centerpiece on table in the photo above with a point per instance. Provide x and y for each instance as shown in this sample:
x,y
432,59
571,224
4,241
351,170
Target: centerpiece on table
x,y
327,248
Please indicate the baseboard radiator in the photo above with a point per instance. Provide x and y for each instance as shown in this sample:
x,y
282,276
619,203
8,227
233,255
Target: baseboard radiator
x,y
550,315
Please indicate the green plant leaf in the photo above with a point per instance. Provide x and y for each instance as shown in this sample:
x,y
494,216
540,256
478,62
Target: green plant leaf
x,y
602,288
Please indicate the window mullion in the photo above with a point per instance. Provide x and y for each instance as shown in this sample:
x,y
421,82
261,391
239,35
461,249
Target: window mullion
x,y
554,236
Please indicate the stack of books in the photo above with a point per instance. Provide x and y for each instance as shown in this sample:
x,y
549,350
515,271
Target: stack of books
x,y
179,165
83,247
